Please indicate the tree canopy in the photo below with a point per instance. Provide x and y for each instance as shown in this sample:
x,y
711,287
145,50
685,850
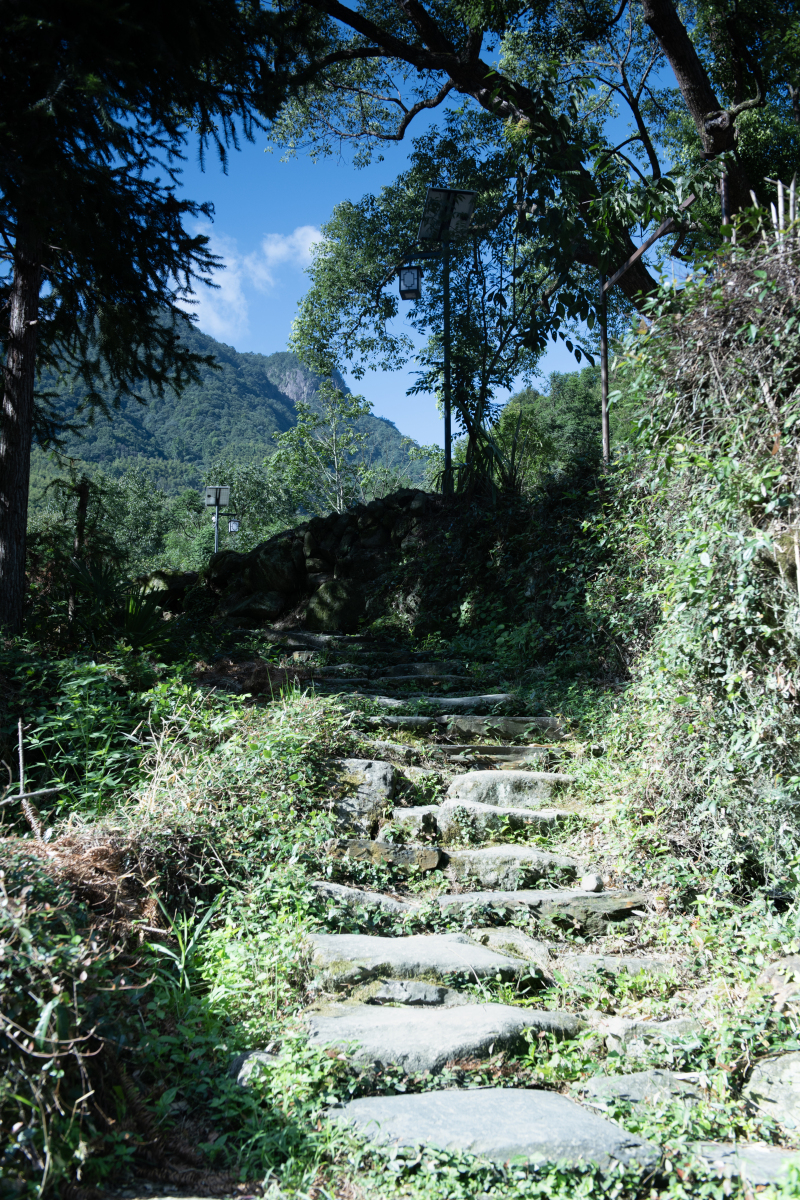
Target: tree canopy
x,y
98,106
617,111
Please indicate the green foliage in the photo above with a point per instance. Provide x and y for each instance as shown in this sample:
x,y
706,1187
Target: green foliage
x,y
322,456
230,414
507,298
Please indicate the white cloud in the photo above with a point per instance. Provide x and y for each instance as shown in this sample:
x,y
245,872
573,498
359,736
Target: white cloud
x,y
276,249
223,311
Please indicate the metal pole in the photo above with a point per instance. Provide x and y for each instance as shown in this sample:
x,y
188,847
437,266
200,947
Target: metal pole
x,y
604,373
447,482
216,528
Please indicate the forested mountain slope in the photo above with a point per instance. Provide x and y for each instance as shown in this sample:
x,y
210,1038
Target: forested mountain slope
x,y
233,411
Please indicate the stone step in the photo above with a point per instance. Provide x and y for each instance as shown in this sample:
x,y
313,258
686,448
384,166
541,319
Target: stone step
x,y
421,858
465,820
589,911
640,1087
418,1039
508,789
444,704
506,939
364,787
417,994
348,959
490,751
430,677
448,669
584,966
358,898
760,1165
513,1125
631,1038
507,867
503,726
497,726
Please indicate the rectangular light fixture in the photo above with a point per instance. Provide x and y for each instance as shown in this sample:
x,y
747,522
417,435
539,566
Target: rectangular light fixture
x,y
410,283
447,210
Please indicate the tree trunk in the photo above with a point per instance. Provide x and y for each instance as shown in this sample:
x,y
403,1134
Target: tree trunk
x,y
16,426
714,125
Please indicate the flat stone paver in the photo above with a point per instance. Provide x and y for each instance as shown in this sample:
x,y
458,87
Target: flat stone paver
x,y
417,994
424,1039
503,1124
626,1035
774,1087
508,867
583,966
509,788
505,939
423,858
760,1165
640,1087
355,898
350,958
590,910
461,819
500,726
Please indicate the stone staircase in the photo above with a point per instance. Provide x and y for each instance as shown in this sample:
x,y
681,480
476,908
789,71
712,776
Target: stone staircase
x,y
420,1002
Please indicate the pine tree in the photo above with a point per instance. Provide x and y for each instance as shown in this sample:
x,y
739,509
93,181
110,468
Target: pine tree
x,y
98,105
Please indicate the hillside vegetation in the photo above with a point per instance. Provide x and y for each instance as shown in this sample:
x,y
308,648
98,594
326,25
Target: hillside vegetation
x,y
232,411
234,793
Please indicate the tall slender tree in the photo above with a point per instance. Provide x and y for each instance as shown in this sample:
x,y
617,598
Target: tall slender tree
x,y
98,104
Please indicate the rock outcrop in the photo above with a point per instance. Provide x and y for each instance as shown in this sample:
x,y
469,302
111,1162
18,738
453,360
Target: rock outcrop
x,y
322,564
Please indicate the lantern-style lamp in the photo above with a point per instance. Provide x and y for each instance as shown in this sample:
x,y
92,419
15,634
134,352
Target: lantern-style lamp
x,y
410,283
233,525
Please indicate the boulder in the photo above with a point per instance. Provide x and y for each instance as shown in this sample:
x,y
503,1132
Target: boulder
x,y
366,787
345,959
508,1125
507,867
507,789
261,606
247,1064
275,566
168,587
336,605
418,1039
225,568
774,1088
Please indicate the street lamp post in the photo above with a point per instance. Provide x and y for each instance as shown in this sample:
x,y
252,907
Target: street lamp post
x,y
447,212
217,497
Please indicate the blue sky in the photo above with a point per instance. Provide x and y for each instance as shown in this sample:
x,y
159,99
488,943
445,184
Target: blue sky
x,y
267,215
